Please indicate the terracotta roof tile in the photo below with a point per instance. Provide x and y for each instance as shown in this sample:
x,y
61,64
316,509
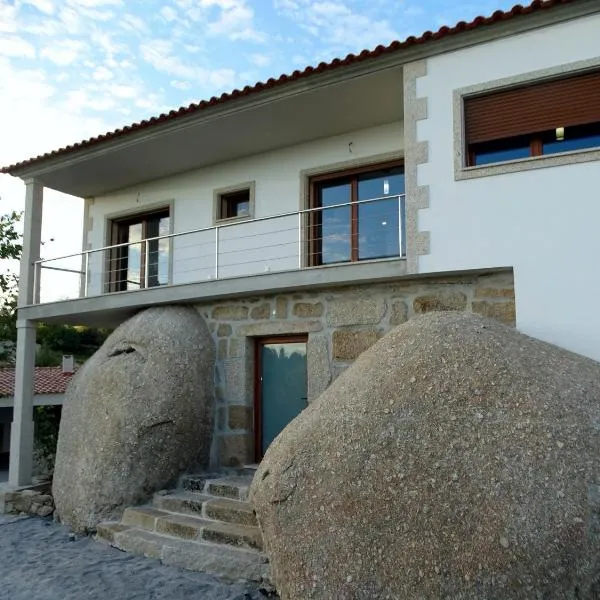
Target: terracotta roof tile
x,y
48,380
426,37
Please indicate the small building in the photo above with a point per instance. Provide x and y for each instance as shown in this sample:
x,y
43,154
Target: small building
x,y
49,389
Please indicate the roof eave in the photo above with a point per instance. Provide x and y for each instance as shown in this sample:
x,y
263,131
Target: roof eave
x,y
500,24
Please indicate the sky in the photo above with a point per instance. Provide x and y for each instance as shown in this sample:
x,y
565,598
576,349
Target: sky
x,y
71,69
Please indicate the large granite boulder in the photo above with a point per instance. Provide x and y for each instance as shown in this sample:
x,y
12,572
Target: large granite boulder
x,y
457,458
136,415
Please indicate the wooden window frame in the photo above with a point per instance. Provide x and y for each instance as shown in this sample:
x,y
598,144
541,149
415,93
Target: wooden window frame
x,y
314,227
117,227
258,343
220,195
228,199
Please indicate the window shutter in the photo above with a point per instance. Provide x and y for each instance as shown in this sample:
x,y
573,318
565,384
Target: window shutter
x,y
533,108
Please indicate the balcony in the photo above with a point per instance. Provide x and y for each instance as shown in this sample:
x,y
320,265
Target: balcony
x,y
310,240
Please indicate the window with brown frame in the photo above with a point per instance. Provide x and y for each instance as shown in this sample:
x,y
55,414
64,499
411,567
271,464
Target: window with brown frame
x,y
142,261
356,215
548,117
234,204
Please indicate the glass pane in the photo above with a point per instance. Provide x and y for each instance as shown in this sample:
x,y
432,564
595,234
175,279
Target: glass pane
x,y
486,157
336,224
158,252
242,208
283,387
570,144
134,257
379,221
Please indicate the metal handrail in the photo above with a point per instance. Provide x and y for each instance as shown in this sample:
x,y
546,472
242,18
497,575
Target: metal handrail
x,y
219,252
219,226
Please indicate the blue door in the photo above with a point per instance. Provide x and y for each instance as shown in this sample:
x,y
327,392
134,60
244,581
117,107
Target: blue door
x,y
281,390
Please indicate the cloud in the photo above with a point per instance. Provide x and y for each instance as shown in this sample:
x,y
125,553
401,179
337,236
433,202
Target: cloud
x,y
132,23
16,47
232,19
8,18
102,74
64,53
45,6
260,60
338,26
161,55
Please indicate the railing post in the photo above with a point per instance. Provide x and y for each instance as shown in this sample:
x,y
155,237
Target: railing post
x,y
300,261
217,252
146,263
37,281
400,225
86,274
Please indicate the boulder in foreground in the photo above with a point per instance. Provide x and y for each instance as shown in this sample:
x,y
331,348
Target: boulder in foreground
x,y
137,414
457,458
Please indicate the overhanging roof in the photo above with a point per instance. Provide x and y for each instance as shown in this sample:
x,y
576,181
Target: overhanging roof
x,y
311,77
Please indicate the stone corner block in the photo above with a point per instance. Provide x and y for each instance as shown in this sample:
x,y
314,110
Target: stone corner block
x,y
440,301
355,311
349,345
317,364
504,312
236,450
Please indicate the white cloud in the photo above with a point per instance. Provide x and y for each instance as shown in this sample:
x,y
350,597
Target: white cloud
x,y
64,52
130,22
16,47
94,3
181,85
8,18
161,55
233,19
337,25
260,60
124,91
45,6
168,13
102,74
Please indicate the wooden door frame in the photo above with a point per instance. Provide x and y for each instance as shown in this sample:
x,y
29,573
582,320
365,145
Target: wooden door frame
x,y
259,342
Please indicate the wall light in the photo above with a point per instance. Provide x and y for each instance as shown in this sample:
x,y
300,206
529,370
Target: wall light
x,y
560,134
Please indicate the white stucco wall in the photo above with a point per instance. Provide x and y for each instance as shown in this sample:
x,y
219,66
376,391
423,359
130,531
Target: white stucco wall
x,y
543,222
247,248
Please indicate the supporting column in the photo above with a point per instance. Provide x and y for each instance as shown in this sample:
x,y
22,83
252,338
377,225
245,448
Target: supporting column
x,y
32,238
21,434
21,438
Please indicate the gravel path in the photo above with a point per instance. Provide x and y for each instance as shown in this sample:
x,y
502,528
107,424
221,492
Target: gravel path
x,y
39,561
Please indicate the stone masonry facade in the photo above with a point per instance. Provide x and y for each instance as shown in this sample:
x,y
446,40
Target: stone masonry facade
x,y
340,323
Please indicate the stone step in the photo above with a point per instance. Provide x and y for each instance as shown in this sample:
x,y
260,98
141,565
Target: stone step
x,y
249,470
230,511
235,487
208,507
228,562
192,528
181,501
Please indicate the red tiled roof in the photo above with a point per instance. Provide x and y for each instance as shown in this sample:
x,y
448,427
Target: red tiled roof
x,y
48,380
427,37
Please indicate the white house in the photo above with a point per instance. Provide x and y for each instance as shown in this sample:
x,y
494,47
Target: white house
x,y
307,215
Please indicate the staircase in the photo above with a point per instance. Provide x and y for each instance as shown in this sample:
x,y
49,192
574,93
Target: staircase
x,y
207,524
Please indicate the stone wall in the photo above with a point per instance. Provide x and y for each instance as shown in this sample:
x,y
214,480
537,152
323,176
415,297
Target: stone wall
x,y
340,324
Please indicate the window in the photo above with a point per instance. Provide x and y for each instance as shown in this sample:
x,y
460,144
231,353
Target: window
x,y
358,216
560,115
235,202
140,263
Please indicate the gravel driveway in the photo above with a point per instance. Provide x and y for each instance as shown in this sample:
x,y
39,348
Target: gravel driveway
x,y
39,561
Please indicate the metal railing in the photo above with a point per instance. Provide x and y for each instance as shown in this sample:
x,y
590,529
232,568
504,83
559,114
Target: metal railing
x,y
370,229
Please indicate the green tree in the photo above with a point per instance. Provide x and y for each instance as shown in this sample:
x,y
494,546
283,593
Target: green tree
x,y
10,251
